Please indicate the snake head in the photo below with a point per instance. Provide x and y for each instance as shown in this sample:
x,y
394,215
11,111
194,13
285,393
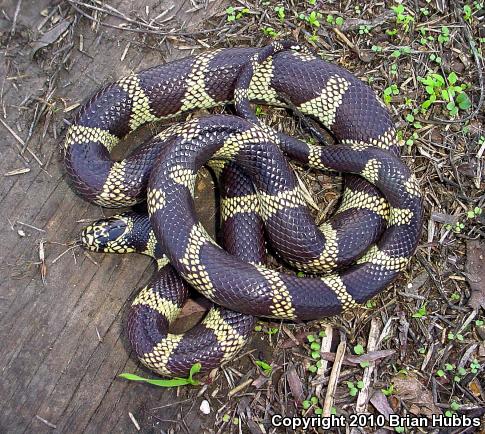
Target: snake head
x,y
109,235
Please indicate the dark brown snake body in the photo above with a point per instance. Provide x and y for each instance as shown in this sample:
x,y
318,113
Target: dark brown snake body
x,y
164,170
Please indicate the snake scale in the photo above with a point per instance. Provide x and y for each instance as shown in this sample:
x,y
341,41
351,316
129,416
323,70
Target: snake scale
x,y
361,248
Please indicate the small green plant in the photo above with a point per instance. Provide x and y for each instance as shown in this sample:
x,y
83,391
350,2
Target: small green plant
x,y
174,382
267,330
449,366
393,69
402,18
370,304
313,38
421,312
314,368
354,389
436,59
334,21
389,92
440,373
455,406
280,11
313,18
234,14
269,31
389,390
449,90
272,331
359,350
312,402
460,373
444,36
455,296
376,49
315,347
424,11
456,227
479,322
474,366
453,336
364,30
265,367
475,212
467,13
259,110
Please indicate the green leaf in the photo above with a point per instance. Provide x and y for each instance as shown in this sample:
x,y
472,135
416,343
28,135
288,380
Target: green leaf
x,y
195,369
339,21
266,368
452,78
359,349
463,101
455,406
174,382
315,346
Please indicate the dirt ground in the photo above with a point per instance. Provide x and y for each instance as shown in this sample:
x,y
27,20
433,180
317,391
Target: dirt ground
x,y
416,350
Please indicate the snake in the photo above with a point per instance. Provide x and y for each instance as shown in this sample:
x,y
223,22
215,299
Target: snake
x,y
362,248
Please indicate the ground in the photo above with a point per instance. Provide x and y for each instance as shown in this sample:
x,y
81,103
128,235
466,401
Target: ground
x,y
417,349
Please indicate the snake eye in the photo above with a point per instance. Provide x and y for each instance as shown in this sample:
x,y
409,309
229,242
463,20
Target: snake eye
x,y
104,235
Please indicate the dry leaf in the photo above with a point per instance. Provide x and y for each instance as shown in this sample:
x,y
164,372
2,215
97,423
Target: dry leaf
x,y
417,397
381,404
295,384
51,36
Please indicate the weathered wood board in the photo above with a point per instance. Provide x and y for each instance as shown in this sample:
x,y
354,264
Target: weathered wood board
x,y
61,340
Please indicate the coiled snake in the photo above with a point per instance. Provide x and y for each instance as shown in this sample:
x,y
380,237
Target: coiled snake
x,y
362,248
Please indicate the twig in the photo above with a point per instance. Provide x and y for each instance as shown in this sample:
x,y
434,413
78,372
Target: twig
x,y
363,398
333,380
15,135
15,16
171,32
50,425
325,348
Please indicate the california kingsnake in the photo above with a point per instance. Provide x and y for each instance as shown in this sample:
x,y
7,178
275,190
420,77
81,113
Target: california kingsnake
x,y
168,164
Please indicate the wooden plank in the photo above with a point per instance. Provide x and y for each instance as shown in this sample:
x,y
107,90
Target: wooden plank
x,y
55,370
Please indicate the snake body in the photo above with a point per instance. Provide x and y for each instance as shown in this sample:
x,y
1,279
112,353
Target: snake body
x,y
164,170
